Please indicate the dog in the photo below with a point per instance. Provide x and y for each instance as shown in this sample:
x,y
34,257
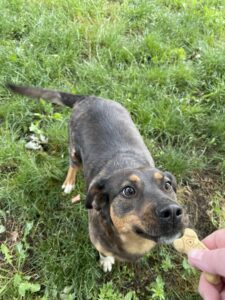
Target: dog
x,y
131,204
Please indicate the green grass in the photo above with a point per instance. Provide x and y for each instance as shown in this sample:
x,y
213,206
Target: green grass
x,y
164,61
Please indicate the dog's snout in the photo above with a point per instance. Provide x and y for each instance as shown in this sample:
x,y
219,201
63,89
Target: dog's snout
x,y
170,213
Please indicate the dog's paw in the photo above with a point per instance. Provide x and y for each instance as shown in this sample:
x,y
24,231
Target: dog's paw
x,y
68,187
106,262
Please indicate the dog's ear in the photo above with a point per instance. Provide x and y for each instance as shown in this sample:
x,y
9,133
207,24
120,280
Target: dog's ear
x,y
96,195
172,180
98,199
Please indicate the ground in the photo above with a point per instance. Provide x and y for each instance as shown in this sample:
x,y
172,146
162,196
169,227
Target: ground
x,y
164,61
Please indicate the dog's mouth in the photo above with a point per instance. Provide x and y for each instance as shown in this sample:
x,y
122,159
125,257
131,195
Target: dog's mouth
x,y
146,235
164,238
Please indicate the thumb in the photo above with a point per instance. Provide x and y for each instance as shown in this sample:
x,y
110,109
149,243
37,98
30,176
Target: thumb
x,y
211,261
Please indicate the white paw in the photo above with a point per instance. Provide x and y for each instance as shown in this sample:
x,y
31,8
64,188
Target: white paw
x,y
106,262
67,188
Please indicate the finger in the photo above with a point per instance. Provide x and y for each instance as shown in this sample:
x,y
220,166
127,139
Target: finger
x,y
207,290
222,295
215,240
211,261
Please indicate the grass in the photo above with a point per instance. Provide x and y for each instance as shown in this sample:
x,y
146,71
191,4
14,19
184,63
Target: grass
x,y
164,61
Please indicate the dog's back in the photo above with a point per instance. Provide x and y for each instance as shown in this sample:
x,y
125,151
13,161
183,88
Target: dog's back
x,y
103,129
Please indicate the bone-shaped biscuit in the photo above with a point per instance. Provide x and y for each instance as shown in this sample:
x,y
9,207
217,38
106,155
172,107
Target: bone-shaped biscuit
x,y
190,241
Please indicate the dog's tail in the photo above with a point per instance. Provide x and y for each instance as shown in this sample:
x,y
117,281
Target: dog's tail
x,y
49,95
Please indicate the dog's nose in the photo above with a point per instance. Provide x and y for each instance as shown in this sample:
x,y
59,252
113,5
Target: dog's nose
x,y
170,213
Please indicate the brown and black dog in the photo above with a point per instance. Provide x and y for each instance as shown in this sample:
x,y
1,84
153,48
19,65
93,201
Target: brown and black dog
x,y
131,204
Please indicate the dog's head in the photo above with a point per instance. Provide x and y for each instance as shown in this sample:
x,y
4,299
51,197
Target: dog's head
x,y
142,201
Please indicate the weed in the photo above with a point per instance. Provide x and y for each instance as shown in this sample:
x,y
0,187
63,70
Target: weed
x,y
15,253
217,211
157,289
108,292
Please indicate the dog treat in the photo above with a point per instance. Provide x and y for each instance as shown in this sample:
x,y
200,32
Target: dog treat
x,y
76,199
190,241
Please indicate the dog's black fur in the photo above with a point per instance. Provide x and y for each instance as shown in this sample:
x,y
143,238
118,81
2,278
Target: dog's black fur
x,y
132,205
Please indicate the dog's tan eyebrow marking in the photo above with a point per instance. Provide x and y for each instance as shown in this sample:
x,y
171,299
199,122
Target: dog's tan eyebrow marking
x,y
134,178
158,176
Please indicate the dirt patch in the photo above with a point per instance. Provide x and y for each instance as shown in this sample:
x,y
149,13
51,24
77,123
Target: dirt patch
x,y
11,236
196,198
7,169
13,231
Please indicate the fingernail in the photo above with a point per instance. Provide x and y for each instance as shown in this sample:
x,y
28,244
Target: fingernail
x,y
206,297
195,254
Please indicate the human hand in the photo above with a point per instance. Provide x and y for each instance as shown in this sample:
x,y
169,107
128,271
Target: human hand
x,y
211,261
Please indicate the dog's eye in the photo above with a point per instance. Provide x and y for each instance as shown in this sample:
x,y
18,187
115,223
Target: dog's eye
x,y
168,185
128,192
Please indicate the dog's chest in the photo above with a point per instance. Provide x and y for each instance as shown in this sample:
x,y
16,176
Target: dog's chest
x,y
133,244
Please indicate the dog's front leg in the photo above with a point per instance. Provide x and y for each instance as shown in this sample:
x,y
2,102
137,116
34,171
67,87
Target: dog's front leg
x,y
106,262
